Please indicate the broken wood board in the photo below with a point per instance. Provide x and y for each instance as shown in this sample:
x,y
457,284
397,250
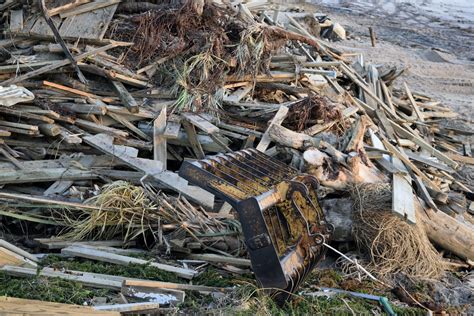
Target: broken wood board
x,y
82,252
154,294
89,25
18,306
277,120
151,168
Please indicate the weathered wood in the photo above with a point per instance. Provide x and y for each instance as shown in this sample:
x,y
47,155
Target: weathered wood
x,y
152,168
193,139
447,232
17,306
103,256
61,63
130,308
220,259
159,141
88,7
289,138
66,7
10,258
277,120
56,243
155,294
127,99
173,127
17,250
16,20
413,103
201,123
45,175
174,286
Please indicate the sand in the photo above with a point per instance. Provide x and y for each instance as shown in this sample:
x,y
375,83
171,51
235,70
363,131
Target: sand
x,y
433,40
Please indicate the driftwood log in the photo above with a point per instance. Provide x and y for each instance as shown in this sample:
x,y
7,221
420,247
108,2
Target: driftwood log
x,y
448,233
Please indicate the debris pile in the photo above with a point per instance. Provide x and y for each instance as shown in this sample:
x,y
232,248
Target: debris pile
x,y
102,102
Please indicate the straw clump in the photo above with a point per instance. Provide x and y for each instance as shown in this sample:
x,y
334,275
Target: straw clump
x,y
393,245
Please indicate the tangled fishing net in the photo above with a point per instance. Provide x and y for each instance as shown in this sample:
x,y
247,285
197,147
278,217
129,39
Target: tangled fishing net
x,y
393,245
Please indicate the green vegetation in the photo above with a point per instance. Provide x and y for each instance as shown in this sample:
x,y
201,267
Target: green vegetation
x,y
247,299
49,289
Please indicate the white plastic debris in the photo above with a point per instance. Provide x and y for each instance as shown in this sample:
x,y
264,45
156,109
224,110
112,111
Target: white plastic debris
x,y
13,94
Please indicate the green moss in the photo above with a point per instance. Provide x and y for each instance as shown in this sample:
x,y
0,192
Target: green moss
x,y
49,289
213,277
129,271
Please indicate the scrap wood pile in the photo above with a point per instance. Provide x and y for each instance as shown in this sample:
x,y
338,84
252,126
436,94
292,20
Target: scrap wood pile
x,y
101,102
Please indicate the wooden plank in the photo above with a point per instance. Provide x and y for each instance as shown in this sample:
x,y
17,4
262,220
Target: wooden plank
x,y
16,20
56,243
193,140
174,286
201,123
10,258
122,120
398,154
220,259
239,94
423,144
159,141
103,256
130,308
66,7
69,90
45,175
96,128
61,63
26,115
88,7
277,120
413,103
127,99
154,294
17,250
152,168
173,127
429,162
18,306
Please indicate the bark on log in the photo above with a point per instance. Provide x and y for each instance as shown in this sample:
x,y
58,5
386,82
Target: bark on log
x,y
289,138
448,233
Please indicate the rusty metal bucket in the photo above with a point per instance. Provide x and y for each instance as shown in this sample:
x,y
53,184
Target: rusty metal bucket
x,y
283,224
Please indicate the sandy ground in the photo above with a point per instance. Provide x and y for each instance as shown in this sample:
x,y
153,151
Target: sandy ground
x,y
433,42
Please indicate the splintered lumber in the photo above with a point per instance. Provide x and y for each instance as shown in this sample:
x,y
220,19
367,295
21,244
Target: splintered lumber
x,y
173,286
94,280
193,140
55,243
62,63
201,123
130,308
424,145
155,294
152,168
45,175
94,6
413,103
90,24
173,126
16,20
127,99
17,250
447,232
10,258
18,306
159,141
277,120
220,259
103,256
67,89
66,7
26,115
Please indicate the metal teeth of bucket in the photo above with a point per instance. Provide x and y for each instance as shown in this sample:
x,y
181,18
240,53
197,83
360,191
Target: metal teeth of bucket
x,y
249,171
278,210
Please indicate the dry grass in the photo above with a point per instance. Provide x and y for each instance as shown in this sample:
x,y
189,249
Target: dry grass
x,y
129,212
393,245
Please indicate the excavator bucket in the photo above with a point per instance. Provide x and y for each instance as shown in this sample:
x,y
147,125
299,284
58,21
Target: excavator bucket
x,y
283,224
